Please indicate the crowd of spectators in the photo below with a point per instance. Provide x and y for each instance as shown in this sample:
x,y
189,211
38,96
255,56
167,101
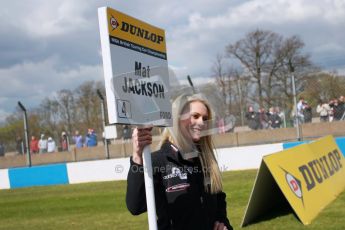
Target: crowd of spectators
x,y
333,110
49,145
328,111
262,119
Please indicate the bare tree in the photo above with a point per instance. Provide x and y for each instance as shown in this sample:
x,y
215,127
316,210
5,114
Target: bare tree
x,y
265,58
88,106
65,99
241,88
323,86
296,61
223,74
256,53
220,75
49,114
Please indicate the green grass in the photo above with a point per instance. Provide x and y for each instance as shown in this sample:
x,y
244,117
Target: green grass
x,y
102,206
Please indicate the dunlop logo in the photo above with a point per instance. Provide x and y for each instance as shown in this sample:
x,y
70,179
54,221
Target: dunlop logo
x,y
142,33
318,170
294,184
113,22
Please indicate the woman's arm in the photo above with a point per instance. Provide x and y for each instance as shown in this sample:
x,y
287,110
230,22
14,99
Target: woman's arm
x,y
135,196
221,211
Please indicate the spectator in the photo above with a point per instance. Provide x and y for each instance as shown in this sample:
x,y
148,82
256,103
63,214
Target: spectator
x,y
64,142
91,138
51,146
341,107
127,132
281,114
337,110
34,145
229,122
252,118
323,109
274,119
220,124
19,145
300,109
263,118
2,149
78,140
307,112
42,144
331,112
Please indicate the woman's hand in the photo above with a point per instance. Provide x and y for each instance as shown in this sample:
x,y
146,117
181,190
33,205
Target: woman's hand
x,y
219,226
140,138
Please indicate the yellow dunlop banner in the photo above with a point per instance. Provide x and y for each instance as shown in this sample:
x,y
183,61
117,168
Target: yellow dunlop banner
x,y
136,72
309,176
134,31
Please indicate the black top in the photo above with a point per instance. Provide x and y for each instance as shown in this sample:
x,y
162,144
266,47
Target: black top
x,y
181,201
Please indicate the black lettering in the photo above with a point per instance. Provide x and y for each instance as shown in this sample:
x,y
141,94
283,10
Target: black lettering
x,y
155,89
137,68
143,88
130,85
137,87
333,161
125,26
153,38
132,29
160,39
323,169
149,88
148,71
147,35
324,160
140,32
124,110
161,91
124,87
144,72
338,157
165,115
317,175
308,178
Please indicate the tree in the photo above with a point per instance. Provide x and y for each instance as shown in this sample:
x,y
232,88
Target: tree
x,y
88,105
294,62
266,57
256,54
323,86
223,76
241,89
14,128
49,114
66,102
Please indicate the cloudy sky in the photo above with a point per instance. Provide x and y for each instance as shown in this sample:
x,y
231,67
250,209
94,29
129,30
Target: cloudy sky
x,y
46,46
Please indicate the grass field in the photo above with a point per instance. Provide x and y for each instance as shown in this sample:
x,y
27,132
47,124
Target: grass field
x,y
102,206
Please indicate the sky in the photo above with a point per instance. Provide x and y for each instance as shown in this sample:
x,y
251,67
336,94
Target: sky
x,y
46,46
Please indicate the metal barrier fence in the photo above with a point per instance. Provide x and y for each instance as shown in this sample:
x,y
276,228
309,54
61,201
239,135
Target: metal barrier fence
x,y
313,102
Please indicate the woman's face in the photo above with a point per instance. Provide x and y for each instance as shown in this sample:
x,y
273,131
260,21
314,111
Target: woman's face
x,y
193,120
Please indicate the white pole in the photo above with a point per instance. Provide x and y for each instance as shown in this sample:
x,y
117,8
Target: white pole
x,y
296,109
150,193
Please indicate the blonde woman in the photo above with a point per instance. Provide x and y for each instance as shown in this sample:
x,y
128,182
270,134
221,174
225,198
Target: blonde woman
x,y
187,180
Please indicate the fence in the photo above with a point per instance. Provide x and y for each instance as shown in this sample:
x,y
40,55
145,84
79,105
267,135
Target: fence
x,y
274,118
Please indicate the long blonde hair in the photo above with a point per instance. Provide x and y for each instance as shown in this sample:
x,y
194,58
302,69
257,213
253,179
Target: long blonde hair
x,y
212,175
